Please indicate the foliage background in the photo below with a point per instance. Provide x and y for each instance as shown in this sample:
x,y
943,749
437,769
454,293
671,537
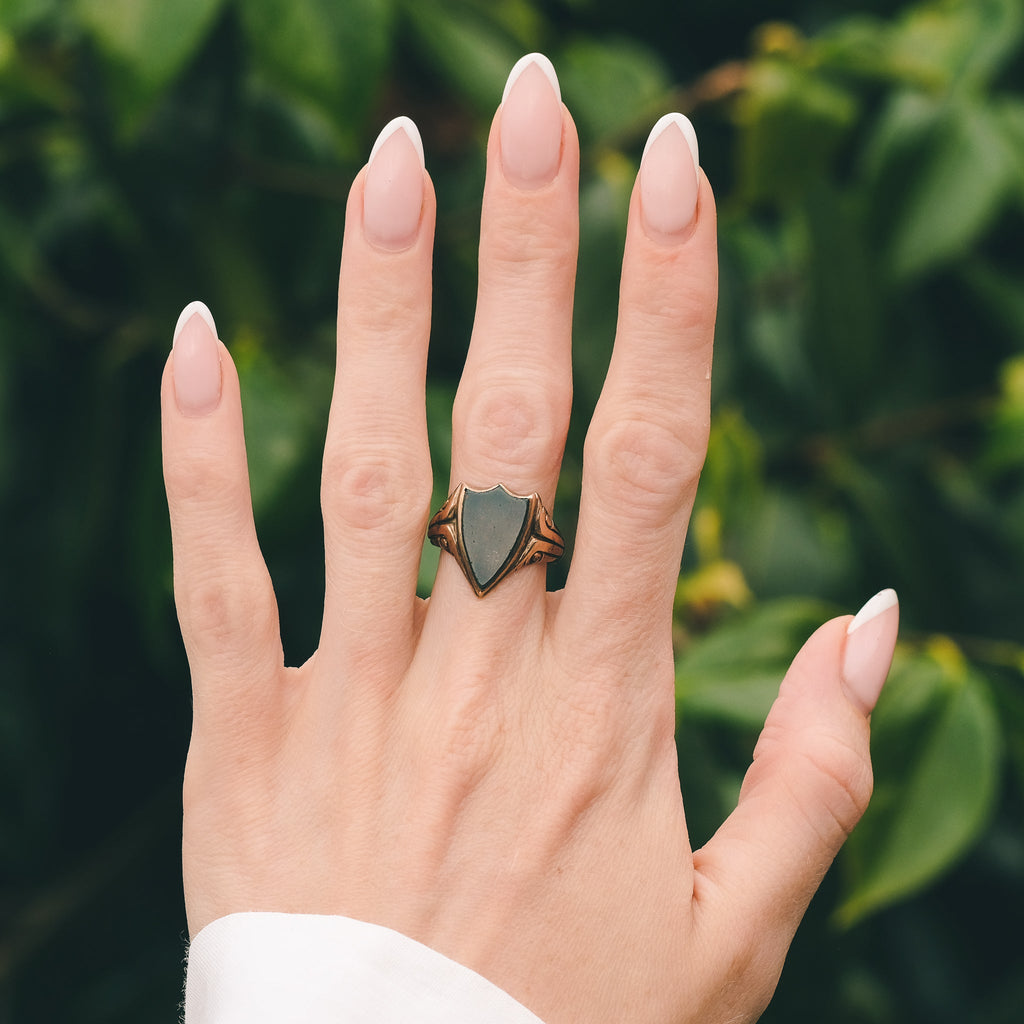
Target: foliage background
x,y
868,431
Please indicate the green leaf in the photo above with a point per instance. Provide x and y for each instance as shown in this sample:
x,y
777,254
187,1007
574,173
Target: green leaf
x,y
612,87
604,202
790,543
1009,694
733,477
1004,453
862,45
149,40
732,674
1010,112
330,53
948,45
521,19
467,49
999,293
285,413
936,744
963,167
791,122
964,42
16,15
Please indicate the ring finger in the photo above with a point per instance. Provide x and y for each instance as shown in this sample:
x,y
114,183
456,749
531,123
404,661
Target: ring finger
x,y
511,412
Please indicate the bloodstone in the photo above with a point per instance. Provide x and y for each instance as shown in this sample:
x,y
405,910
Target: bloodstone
x,y
493,524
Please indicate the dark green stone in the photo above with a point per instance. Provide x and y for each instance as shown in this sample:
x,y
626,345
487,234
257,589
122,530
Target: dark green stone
x,y
492,524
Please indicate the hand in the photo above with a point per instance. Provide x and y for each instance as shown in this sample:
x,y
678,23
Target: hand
x,y
497,777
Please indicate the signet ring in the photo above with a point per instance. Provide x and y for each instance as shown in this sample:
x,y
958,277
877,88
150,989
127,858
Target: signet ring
x,y
494,532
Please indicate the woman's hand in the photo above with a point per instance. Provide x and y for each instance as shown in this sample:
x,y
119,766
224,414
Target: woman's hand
x,y
496,777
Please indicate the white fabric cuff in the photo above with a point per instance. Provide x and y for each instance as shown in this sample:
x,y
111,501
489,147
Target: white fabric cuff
x,y
310,969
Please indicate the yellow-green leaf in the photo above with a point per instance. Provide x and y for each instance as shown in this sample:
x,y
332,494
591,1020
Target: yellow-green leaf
x,y
733,673
938,757
151,39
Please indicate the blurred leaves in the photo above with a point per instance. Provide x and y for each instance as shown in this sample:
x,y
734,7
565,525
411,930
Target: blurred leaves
x,y
1006,439
146,43
297,43
879,171
613,87
468,47
936,746
958,166
732,674
944,150
285,411
16,15
792,123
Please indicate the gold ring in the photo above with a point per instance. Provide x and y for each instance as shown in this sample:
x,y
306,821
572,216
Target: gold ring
x,y
492,533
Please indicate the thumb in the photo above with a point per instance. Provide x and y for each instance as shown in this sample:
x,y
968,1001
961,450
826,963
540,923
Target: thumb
x,y
810,780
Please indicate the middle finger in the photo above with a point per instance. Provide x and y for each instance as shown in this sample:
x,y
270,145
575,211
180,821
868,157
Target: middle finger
x,y
511,412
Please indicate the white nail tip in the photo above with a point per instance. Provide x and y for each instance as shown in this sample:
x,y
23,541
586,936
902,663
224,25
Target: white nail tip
x,y
880,603
399,124
523,63
191,310
683,123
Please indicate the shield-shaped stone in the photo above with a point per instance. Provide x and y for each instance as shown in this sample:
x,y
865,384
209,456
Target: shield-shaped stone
x,y
492,529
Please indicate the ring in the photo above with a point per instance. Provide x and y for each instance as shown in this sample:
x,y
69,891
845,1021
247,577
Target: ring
x,y
492,533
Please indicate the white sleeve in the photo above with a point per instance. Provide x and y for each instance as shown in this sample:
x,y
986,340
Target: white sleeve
x,y
311,969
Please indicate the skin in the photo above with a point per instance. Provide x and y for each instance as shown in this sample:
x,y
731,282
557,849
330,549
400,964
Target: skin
x,y
497,777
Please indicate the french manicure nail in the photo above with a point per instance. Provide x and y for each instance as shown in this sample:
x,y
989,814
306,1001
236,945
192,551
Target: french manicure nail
x,y
531,123
196,361
668,179
393,191
870,642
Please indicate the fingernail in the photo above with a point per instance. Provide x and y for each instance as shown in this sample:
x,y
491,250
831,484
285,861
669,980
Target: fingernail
x,y
393,191
531,123
196,361
668,179
870,642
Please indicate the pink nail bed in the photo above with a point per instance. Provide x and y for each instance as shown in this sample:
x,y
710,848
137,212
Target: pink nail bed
x,y
531,123
393,191
668,179
870,642
196,361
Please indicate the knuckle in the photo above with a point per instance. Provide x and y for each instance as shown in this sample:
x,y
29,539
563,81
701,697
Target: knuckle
x,y
586,757
848,782
825,774
519,424
384,309
369,490
199,478
224,613
534,241
602,722
647,464
588,726
675,299
464,733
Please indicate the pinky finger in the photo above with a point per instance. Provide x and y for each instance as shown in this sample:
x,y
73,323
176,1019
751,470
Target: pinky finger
x,y
222,590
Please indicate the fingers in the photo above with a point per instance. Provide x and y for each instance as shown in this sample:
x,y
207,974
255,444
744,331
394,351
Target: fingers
x,y
222,590
809,783
376,476
647,440
512,409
